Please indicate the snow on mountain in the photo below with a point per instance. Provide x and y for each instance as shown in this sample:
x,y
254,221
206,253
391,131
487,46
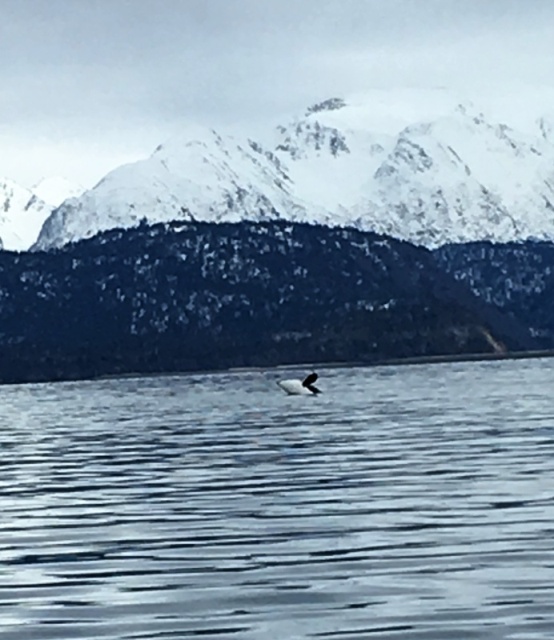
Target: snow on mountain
x,y
54,190
23,211
461,178
200,175
330,156
21,215
456,176
454,179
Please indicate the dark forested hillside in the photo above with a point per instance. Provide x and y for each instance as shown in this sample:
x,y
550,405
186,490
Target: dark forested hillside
x,y
200,296
518,278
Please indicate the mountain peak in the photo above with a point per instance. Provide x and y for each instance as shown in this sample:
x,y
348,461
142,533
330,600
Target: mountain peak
x,y
407,163
191,135
331,104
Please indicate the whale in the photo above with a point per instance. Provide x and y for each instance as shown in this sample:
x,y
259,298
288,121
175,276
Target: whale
x,y
300,387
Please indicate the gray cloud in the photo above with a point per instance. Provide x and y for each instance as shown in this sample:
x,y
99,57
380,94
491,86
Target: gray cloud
x,y
101,81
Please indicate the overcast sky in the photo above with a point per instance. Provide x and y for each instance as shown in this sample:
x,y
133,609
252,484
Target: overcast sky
x,y
86,85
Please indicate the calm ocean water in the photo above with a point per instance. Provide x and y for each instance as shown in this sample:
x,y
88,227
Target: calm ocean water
x,y
411,502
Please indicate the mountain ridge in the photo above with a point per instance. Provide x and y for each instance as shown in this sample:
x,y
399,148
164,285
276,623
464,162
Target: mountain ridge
x,y
199,295
458,177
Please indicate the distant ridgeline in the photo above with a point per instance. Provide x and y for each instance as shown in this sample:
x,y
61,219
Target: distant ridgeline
x,y
190,296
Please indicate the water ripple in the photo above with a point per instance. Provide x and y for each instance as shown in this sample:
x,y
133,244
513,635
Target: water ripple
x,y
407,502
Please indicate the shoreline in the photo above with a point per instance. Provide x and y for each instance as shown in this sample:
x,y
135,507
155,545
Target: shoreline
x,y
389,362
410,360
470,357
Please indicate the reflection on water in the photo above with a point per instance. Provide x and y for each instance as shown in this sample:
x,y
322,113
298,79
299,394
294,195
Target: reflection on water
x,y
408,503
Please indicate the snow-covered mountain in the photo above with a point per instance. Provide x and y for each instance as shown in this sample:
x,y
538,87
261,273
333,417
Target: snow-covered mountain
x,y
22,214
461,178
55,189
201,175
23,211
456,177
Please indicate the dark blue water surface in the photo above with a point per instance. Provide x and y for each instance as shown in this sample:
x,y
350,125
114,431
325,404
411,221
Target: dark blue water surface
x,y
411,502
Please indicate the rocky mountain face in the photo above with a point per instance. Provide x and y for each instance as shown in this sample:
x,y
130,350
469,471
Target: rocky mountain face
x,y
457,177
517,278
24,211
193,295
